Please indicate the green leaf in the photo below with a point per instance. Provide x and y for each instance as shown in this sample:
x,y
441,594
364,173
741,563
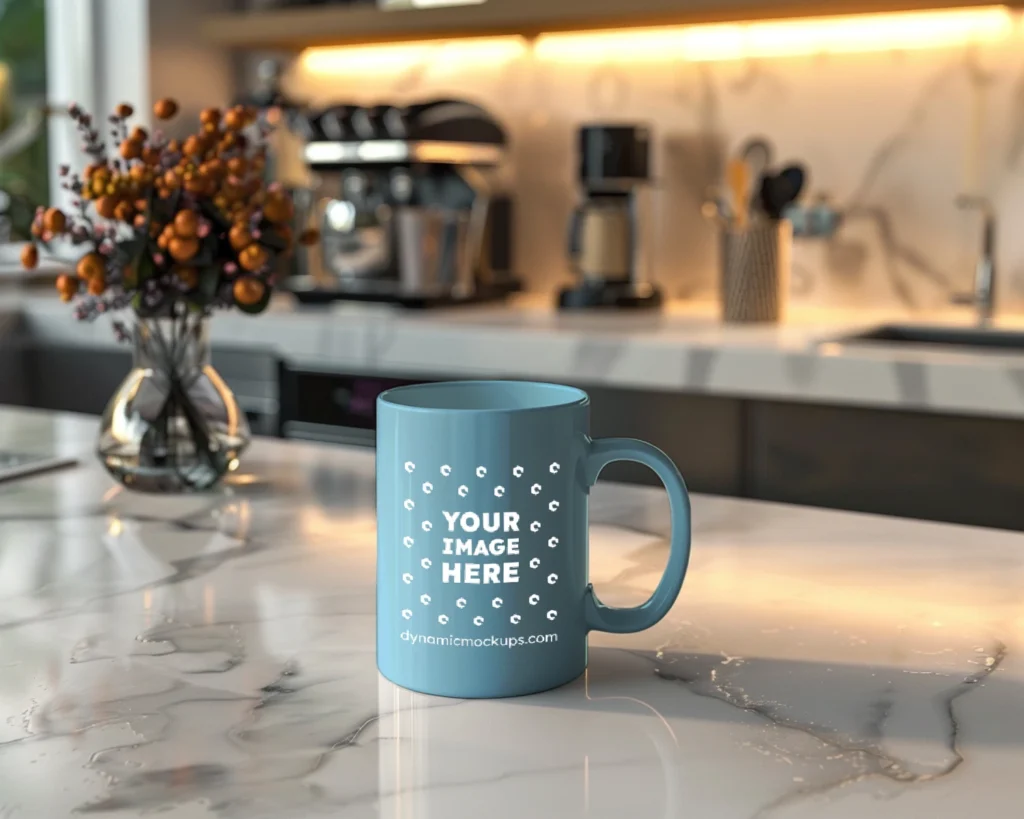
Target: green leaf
x,y
145,269
209,282
213,213
207,253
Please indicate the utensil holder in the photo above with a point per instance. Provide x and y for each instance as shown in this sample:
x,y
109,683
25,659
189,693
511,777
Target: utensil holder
x,y
754,270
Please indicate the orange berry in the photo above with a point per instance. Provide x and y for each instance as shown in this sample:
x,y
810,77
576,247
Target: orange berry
x,y
309,237
151,155
186,223
90,266
209,115
278,208
138,134
182,250
139,173
124,110
97,285
54,220
130,149
124,211
170,179
192,147
174,146
253,257
67,286
140,220
212,168
248,291
105,206
239,236
234,120
29,257
237,166
165,108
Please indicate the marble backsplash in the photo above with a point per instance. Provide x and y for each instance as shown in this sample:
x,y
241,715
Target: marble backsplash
x,y
890,137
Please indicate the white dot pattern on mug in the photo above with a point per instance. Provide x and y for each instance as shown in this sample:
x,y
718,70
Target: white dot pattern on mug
x,y
462,491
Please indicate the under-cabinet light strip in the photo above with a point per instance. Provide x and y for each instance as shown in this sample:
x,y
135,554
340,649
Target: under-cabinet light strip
x,y
783,38
896,31
451,54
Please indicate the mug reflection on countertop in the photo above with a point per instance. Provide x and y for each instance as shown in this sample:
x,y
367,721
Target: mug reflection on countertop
x,y
581,750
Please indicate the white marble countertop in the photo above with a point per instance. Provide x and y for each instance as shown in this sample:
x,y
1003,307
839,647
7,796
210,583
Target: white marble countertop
x,y
682,349
214,657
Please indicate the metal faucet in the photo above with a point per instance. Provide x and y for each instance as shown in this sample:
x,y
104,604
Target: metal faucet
x,y
984,296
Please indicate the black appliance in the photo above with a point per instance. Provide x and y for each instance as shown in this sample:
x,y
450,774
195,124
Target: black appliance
x,y
604,245
410,205
339,408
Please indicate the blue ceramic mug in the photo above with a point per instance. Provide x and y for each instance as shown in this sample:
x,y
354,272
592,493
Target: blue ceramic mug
x,y
482,490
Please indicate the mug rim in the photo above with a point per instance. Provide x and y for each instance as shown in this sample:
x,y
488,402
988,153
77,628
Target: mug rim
x,y
571,396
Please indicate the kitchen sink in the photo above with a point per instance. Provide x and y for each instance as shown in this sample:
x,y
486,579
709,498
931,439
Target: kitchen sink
x,y
940,336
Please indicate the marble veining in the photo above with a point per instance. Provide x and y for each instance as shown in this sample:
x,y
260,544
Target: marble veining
x,y
213,656
890,137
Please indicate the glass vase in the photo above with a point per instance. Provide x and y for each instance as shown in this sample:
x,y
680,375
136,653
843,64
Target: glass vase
x,y
173,425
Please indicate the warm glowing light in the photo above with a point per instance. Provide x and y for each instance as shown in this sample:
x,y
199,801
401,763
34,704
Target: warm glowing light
x,y
447,54
115,527
783,38
389,5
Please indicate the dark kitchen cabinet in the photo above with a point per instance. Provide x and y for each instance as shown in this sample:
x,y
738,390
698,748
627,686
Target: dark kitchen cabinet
x,y
294,27
919,465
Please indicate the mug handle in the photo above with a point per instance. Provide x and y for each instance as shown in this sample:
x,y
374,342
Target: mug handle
x,y
600,617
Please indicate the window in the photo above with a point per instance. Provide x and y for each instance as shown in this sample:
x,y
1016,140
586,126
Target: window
x,y
24,167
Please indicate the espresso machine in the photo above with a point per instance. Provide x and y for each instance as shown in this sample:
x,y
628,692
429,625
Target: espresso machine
x,y
410,203
604,245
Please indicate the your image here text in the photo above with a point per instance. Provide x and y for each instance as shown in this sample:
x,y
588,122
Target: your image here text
x,y
473,546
